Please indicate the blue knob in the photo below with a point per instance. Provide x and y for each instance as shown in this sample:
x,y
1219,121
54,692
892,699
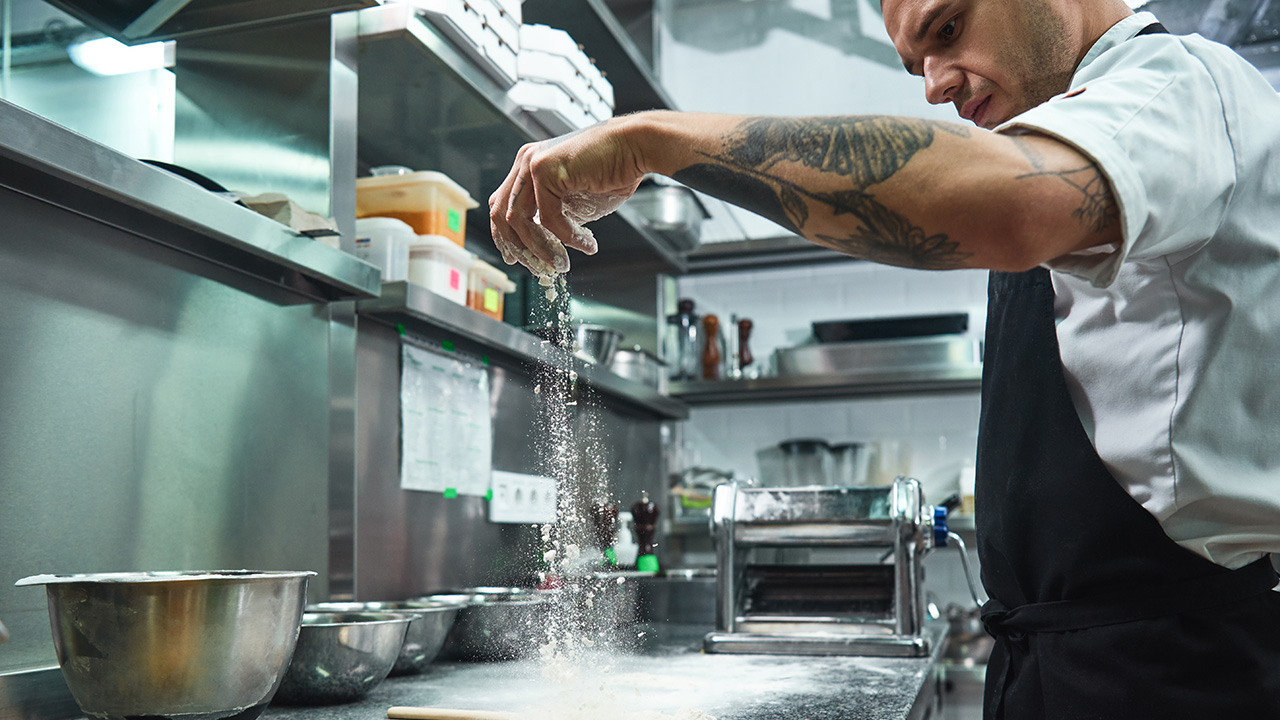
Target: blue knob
x,y
940,525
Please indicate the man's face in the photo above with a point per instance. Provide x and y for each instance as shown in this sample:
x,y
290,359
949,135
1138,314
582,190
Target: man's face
x,y
992,59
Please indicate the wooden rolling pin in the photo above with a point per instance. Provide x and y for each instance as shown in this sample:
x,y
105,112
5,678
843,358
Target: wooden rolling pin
x,y
422,713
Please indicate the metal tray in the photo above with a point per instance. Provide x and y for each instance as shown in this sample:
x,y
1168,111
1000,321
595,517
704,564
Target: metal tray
x,y
850,358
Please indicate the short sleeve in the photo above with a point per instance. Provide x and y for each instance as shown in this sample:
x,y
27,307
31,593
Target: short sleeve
x,y
1149,114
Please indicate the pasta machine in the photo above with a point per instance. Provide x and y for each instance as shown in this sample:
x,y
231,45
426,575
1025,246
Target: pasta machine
x,y
822,570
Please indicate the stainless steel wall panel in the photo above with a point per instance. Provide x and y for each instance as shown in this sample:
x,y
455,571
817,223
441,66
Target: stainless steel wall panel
x,y
252,110
152,419
407,543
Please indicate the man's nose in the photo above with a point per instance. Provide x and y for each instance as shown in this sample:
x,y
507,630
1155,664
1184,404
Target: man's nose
x,y
942,81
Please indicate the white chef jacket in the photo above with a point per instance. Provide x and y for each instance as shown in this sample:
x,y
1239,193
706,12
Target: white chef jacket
x,y
1171,341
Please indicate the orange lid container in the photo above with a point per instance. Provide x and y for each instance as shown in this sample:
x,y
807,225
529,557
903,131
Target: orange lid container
x,y
430,202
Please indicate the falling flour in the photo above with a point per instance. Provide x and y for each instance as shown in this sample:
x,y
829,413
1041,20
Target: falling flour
x,y
581,639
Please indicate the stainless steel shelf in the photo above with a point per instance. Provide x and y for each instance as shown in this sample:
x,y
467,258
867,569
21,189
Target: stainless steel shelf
x,y
593,25
962,378
204,233
425,312
427,105
761,254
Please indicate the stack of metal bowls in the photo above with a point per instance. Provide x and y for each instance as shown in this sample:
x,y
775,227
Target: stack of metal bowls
x,y
342,656
195,645
596,343
430,623
498,623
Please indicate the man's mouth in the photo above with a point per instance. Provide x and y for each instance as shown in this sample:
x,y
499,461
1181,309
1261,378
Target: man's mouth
x,y
975,110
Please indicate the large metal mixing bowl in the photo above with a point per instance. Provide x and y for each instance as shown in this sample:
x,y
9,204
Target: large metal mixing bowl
x,y
181,645
431,623
342,656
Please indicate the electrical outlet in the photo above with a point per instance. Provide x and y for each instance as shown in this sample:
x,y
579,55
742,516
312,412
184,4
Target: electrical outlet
x,y
522,499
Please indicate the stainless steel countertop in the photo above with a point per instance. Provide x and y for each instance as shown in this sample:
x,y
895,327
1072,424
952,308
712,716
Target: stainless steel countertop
x,y
668,678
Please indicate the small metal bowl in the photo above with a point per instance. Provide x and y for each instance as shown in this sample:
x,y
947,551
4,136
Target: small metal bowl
x,y
497,624
431,622
189,645
596,343
341,657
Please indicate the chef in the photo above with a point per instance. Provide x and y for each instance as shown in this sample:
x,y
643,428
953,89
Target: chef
x,y
1123,185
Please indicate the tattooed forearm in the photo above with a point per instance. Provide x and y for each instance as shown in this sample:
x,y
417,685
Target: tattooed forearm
x,y
890,238
1097,208
862,151
744,190
869,149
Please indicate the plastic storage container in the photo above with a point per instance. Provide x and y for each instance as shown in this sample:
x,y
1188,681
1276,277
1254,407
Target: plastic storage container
x,y
487,287
438,265
385,242
796,463
430,202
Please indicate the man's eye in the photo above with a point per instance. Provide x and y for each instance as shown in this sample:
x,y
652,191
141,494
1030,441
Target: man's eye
x,y
949,30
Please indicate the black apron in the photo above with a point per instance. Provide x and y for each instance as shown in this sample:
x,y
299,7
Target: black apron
x,y
1096,612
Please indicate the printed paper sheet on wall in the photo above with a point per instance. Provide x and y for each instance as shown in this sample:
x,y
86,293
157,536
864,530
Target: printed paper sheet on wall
x,y
446,431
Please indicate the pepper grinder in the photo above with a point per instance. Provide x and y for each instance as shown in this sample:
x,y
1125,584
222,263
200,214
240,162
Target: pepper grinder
x,y
644,515
744,336
604,524
711,355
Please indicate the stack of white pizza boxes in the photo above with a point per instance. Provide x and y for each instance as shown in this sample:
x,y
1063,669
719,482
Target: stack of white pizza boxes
x,y
559,85
501,41
487,31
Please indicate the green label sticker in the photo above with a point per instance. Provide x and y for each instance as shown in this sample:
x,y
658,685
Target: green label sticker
x,y
451,493
488,494
455,220
447,345
491,299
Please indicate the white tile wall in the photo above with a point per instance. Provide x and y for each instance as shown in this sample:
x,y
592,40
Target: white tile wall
x,y
939,431
784,302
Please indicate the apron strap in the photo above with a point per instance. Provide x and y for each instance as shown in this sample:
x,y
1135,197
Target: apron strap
x,y
1063,615
1154,28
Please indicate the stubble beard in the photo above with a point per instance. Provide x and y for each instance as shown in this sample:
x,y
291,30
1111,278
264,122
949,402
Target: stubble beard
x,y
1045,60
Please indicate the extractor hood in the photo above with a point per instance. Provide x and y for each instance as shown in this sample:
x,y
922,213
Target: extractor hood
x,y
138,21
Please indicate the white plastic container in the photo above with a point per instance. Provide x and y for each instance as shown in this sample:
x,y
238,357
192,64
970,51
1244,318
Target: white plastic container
x,y
384,242
456,18
430,202
501,55
499,20
551,106
487,288
546,67
547,39
440,266
464,22
511,10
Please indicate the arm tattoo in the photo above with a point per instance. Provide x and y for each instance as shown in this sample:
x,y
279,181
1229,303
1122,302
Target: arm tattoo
x,y
1098,207
865,150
